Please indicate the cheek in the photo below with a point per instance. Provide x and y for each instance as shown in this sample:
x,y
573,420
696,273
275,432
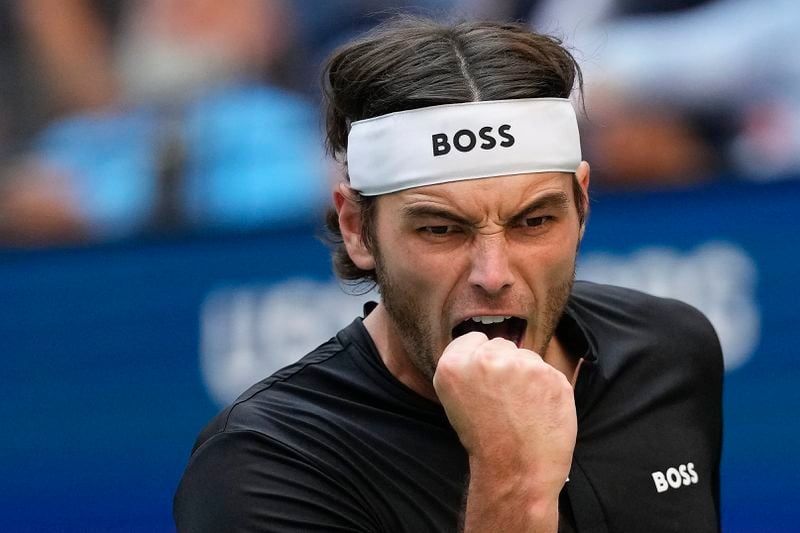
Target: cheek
x,y
418,262
550,266
421,274
562,270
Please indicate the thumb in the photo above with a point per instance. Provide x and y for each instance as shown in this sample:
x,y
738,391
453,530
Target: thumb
x,y
465,344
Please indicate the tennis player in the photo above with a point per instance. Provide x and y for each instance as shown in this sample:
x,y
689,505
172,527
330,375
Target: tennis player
x,y
486,391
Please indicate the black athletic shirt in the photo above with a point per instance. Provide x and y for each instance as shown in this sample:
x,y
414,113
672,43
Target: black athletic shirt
x,y
335,443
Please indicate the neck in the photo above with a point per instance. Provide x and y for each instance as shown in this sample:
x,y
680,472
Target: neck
x,y
558,357
393,354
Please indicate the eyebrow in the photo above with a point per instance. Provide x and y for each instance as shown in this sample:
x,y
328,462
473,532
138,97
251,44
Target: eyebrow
x,y
553,200
423,211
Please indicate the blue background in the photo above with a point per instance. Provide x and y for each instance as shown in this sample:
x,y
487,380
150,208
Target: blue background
x,y
103,394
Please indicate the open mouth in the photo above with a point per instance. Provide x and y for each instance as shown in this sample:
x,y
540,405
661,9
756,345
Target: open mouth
x,y
507,327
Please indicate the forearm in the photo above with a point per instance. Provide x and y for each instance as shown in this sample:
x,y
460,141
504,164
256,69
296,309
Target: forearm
x,y
508,500
515,416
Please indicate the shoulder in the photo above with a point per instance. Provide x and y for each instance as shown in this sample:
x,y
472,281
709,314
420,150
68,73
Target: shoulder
x,y
318,403
623,304
292,389
275,453
627,317
247,481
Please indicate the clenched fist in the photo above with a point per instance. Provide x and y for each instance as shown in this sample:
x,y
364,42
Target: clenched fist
x,y
515,416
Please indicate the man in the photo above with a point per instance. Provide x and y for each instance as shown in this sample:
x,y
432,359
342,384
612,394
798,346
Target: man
x,y
451,406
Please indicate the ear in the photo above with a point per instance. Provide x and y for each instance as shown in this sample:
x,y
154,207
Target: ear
x,y
344,198
582,174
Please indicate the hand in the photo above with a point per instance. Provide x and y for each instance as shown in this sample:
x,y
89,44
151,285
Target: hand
x,y
514,414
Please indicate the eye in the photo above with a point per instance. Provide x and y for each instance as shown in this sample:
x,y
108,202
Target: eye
x,y
438,230
535,222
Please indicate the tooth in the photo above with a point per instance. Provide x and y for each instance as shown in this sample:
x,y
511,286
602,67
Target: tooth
x,y
489,319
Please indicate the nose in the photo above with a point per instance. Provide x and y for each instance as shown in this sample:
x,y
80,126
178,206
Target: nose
x,y
490,266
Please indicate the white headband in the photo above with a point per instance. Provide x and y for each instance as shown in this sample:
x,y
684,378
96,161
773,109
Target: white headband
x,y
456,142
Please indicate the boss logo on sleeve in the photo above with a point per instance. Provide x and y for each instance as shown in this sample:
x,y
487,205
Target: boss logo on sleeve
x,y
466,140
674,478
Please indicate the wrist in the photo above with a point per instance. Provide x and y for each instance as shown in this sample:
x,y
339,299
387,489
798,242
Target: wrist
x,y
502,488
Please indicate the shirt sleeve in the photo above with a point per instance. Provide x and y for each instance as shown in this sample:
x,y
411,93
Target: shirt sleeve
x,y
244,481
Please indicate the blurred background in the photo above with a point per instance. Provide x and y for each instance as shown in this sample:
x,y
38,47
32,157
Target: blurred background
x,y
163,178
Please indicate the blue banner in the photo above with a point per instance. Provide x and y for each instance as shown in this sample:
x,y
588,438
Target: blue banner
x,y
115,356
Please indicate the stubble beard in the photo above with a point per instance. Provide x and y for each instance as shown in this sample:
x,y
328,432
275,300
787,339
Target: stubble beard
x,y
415,330
557,298
410,323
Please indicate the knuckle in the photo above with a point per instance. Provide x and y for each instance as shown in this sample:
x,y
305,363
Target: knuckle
x,y
447,363
444,377
494,347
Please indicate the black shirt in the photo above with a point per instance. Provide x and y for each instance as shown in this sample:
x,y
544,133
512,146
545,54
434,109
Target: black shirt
x,y
335,443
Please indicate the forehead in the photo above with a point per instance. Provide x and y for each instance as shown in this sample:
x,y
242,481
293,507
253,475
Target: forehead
x,y
496,195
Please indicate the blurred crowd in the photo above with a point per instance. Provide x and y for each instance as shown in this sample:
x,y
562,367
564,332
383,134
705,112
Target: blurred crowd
x,y
120,118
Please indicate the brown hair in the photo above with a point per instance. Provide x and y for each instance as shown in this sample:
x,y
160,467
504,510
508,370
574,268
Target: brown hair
x,y
412,62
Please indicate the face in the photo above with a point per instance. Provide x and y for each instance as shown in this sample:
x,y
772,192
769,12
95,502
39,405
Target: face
x,y
496,255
